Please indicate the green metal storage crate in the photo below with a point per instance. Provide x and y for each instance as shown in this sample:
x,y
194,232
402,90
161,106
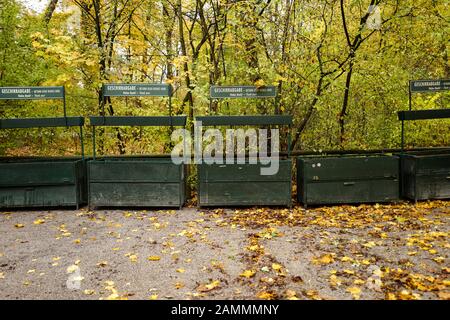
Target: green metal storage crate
x,y
136,181
425,175
347,179
37,181
42,182
242,184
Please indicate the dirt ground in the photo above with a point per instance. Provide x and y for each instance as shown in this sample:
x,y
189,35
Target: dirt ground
x,y
343,252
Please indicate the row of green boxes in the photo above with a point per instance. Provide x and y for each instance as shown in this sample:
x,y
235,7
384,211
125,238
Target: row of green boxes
x,y
140,181
157,182
370,179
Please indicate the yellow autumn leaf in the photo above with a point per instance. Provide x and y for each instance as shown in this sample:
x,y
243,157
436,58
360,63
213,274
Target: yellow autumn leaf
x,y
390,296
72,269
369,244
19,226
181,270
335,281
266,296
88,292
179,285
102,264
355,291
291,295
210,286
276,266
154,297
260,83
347,271
154,258
248,273
324,259
346,259
39,221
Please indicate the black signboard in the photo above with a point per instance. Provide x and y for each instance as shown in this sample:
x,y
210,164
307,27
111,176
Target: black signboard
x,y
429,85
224,92
31,93
137,90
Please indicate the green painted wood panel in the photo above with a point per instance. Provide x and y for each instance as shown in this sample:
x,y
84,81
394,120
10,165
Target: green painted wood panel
x,y
349,167
24,123
176,121
243,185
35,174
132,194
245,194
245,120
134,171
136,182
242,172
347,179
426,176
38,196
42,183
424,114
362,191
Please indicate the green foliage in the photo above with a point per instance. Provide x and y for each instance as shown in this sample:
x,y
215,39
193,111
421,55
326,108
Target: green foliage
x,y
300,46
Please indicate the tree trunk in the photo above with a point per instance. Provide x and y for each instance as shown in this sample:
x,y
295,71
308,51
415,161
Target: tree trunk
x,y
188,98
51,7
343,112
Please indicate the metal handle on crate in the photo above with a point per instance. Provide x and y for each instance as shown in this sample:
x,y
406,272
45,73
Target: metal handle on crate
x,y
348,184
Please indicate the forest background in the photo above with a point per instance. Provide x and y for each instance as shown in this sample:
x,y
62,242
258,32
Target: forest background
x,y
341,67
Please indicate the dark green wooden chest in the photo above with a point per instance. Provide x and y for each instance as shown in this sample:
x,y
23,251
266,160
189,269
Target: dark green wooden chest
x,y
42,182
426,175
347,179
243,185
136,182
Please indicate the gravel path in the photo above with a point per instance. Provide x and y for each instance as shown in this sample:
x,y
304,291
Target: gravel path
x,y
366,252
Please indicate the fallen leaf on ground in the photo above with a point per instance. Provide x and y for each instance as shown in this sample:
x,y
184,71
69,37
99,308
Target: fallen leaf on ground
x,y
355,291
324,259
154,258
266,295
102,264
210,286
248,273
179,285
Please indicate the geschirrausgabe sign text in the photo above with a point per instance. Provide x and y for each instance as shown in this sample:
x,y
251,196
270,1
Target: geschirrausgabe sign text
x,y
31,93
224,92
430,85
137,90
